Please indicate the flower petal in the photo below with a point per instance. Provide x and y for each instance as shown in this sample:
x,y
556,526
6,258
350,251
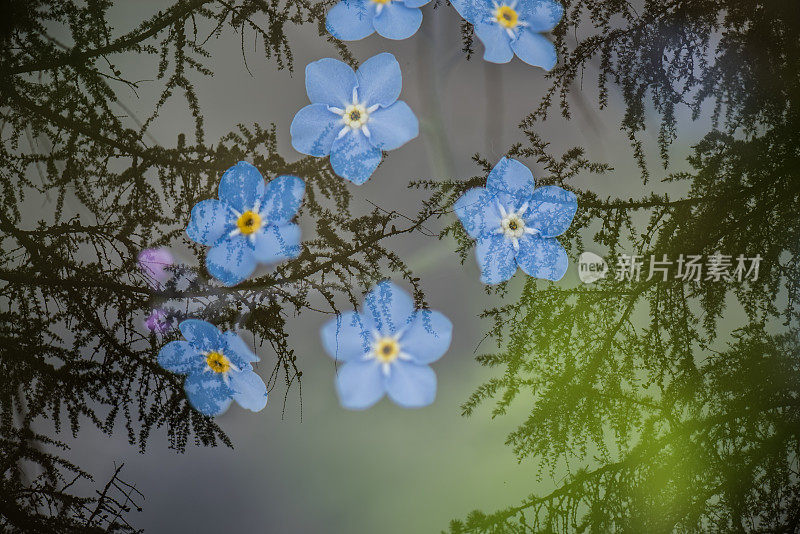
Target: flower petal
x,y
210,220
495,256
398,21
393,127
415,3
350,20
180,357
388,309
542,257
345,337
207,393
495,41
512,177
360,384
428,337
282,199
231,260
277,243
541,15
354,158
237,351
241,187
248,390
330,82
379,80
314,129
477,211
471,10
410,385
535,49
202,335
551,210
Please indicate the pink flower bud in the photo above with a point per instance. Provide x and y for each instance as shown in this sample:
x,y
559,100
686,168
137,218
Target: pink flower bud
x,y
153,263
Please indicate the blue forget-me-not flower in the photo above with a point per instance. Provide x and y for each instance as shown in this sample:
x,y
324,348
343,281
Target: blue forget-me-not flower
x,y
249,224
351,20
386,349
508,27
516,225
353,116
218,368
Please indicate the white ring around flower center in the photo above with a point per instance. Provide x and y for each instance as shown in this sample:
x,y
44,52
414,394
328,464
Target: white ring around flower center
x,y
355,116
512,224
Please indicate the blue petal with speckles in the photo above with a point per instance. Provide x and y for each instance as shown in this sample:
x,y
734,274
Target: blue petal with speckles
x,y
355,149
208,390
525,39
354,158
314,129
352,20
547,212
231,260
233,256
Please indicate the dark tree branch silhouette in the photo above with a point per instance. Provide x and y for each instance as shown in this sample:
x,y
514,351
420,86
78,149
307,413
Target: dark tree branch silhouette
x,y
72,298
662,406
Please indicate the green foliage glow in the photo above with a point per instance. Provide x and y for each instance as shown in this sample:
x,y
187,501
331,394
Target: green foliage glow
x,y
665,411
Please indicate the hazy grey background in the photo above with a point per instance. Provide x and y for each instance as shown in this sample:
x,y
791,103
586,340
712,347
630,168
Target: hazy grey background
x,y
386,470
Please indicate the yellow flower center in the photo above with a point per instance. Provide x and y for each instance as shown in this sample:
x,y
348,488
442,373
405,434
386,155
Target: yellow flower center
x,y
249,222
381,2
217,362
506,17
387,349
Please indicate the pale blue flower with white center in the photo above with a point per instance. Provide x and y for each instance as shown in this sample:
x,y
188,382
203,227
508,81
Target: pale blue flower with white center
x,y
353,116
386,349
351,20
508,27
218,368
515,225
249,224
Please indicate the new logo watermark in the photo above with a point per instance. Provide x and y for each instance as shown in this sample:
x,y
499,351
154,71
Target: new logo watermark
x,y
591,267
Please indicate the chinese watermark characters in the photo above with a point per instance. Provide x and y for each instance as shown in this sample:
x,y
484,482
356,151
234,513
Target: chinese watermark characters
x,y
686,267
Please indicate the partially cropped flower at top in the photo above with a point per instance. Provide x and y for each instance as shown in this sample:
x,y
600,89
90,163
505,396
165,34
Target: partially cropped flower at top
x,y
516,225
249,224
351,20
509,27
386,349
154,264
218,368
353,116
